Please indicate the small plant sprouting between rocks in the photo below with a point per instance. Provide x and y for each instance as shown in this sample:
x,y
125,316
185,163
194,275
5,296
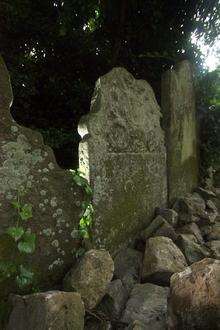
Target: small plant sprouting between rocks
x,y
85,221
25,244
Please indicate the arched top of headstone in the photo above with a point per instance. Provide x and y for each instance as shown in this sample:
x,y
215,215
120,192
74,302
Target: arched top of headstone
x,y
124,112
6,96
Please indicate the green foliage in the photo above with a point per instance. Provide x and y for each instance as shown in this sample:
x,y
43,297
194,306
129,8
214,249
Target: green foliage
x,y
85,221
56,50
25,242
208,97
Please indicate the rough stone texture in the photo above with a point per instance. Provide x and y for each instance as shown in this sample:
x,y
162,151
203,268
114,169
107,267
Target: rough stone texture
x,y
91,276
137,325
206,194
27,165
214,233
128,263
147,304
123,155
93,323
159,227
162,258
171,216
194,301
178,105
215,248
114,300
191,249
190,209
53,310
193,229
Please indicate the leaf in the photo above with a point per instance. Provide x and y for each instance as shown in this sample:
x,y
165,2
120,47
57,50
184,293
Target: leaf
x,y
16,205
26,212
80,252
88,190
15,232
25,277
27,245
7,269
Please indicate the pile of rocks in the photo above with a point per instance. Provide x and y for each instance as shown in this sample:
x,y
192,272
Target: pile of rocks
x,y
170,279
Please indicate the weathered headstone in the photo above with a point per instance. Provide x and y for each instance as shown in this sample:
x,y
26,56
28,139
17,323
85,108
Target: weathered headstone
x,y
123,155
179,114
30,175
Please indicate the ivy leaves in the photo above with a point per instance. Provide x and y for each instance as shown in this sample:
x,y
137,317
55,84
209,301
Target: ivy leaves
x,y
87,208
26,243
25,239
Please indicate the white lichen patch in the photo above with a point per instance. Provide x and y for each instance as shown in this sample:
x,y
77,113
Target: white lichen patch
x,y
43,192
51,166
18,160
53,202
55,243
47,232
55,263
59,211
45,170
14,129
44,179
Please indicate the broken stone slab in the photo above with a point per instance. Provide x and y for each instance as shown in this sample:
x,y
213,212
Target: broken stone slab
x,y
194,300
215,248
180,125
53,310
159,227
29,173
123,155
191,249
147,304
114,300
192,228
170,215
162,258
91,277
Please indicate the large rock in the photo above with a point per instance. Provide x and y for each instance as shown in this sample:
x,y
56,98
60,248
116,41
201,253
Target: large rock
x,y
124,157
114,300
214,233
148,305
193,229
178,105
53,310
170,215
128,263
191,249
190,209
162,258
159,227
194,301
91,276
215,248
29,173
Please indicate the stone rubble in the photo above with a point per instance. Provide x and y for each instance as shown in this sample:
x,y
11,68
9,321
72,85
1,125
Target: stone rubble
x,y
133,292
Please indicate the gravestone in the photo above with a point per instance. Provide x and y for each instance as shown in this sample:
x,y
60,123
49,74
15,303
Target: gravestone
x,y
30,175
122,154
179,122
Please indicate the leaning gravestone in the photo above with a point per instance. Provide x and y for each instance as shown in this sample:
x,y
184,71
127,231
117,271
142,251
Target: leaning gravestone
x,y
122,153
179,114
30,175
